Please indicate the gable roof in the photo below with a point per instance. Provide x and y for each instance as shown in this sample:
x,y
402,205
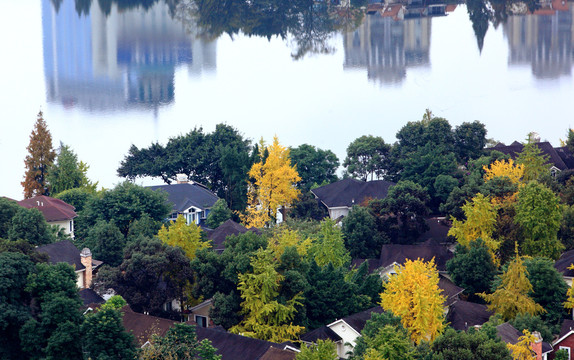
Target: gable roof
x,y
449,289
322,333
219,235
349,192
399,253
508,333
52,209
62,251
144,326
358,320
274,353
438,229
565,260
89,296
556,156
463,315
184,196
565,330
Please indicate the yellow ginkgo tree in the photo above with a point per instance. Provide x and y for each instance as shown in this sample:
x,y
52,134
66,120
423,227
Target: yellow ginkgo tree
x,y
186,237
522,350
273,185
413,295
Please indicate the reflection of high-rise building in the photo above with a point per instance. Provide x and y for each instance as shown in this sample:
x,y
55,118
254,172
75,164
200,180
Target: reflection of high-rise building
x,y
387,45
543,39
119,60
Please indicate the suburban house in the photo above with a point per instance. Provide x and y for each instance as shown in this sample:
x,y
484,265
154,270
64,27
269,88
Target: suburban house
x,y
229,346
462,315
224,230
343,332
339,197
562,265
188,198
560,158
565,340
55,211
66,252
509,334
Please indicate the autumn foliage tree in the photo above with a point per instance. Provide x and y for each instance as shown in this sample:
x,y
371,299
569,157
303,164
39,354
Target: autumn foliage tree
x,y
511,297
413,295
273,185
38,161
522,350
186,237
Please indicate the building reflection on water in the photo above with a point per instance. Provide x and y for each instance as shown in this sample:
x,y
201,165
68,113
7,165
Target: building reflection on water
x,y
124,59
543,40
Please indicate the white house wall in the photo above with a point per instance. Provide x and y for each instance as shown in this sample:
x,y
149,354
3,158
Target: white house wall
x,y
348,334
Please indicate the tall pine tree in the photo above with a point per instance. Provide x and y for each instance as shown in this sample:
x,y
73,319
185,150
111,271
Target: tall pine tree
x,y
41,156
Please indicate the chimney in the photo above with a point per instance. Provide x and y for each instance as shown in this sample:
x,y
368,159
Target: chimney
x,y
537,345
86,259
181,178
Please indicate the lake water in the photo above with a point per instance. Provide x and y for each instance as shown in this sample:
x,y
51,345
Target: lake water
x,y
107,76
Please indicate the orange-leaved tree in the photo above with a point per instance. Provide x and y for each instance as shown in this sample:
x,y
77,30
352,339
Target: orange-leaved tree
x,y
41,156
413,295
273,185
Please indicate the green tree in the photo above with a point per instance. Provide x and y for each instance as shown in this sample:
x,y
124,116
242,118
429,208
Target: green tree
x,y
8,208
535,162
539,214
561,354
407,202
472,268
68,173
265,317
511,297
329,246
77,197
359,232
324,350
471,345
314,165
30,225
38,161
116,302
219,214
107,243
470,139
566,232
373,326
532,323
367,155
179,343
104,336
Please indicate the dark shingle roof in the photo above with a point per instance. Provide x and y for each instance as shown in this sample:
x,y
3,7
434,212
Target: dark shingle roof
x,y
349,192
463,314
322,333
508,333
391,253
144,326
89,296
438,229
567,326
357,321
52,209
449,289
566,156
219,235
274,353
565,260
62,251
559,157
184,196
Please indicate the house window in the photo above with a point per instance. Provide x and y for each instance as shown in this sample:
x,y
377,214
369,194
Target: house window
x,y
201,321
567,350
167,306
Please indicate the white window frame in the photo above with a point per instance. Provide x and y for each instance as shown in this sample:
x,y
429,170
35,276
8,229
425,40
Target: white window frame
x,y
565,348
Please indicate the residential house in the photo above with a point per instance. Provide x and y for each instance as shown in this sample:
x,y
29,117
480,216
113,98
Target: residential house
x,y
343,332
229,346
560,158
463,315
510,335
200,314
224,230
66,252
55,211
188,198
339,197
565,340
563,263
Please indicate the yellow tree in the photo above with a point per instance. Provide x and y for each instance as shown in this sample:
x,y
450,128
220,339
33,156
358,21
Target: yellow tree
x,y
511,297
569,303
507,168
480,221
273,185
265,317
186,237
283,238
413,295
522,350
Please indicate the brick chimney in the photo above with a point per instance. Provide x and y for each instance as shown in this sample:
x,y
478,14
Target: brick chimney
x,y
86,259
537,345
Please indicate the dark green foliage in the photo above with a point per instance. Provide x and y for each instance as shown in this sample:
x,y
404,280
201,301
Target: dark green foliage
x,y
106,242
566,232
533,323
359,231
78,197
22,247
150,274
8,209
443,186
225,310
472,269
371,329
219,214
407,202
548,289
367,155
180,343
471,345
104,336
307,207
470,139
124,204
561,354
30,225
314,165
144,227
14,311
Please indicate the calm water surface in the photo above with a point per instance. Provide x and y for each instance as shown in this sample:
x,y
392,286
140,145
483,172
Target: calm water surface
x,y
108,76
